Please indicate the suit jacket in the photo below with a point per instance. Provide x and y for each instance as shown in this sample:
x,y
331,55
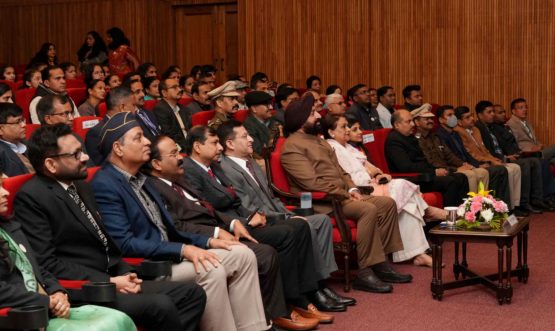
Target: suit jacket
x,y
506,139
92,142
455,144
525,141
312,166
260,133
10,163
369,118
13,292
477,149
403,154
169,125
486,133
129,223
187,215
252,195
63,239
147,131
437,153
219,195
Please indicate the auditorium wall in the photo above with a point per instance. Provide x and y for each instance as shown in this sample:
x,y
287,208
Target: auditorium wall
x,y
460,51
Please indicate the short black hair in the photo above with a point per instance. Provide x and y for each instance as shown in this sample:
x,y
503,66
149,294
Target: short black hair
x,y
515,101
8,109
207,68
482,105
184,78
311,79
146,81
146,168
116,96
197,133
353,90
256,77
45,73
410,88
381,91
167,73
196,85
143,68
329,122
44,143
460,111
226,131
284,94
45,106
331,89
4,88
441,109
128,76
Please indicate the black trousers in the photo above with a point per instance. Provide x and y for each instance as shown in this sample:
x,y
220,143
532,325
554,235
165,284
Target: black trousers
x,y
269,277
531,180
499,183
453,187
162,305
291,238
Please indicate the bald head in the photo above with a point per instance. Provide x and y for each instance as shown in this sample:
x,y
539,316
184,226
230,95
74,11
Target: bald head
x,y
401,120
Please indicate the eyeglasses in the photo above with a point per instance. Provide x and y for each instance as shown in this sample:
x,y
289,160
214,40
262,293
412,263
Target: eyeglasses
x,y
173,87
20,121
77,155
63,114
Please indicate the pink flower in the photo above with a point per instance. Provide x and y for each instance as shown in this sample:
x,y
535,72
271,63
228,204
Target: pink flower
x,y
478,199
475,207
500,206
470,217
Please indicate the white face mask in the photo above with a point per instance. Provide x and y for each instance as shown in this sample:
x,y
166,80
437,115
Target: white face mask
x,y
452,121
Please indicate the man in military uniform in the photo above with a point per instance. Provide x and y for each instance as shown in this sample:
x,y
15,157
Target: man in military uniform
x,y
224,99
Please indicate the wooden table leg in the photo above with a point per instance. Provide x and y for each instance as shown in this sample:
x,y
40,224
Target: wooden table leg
x,y
464,262
500,290
519,256
456,266
508,286
439,271
434,270
525,254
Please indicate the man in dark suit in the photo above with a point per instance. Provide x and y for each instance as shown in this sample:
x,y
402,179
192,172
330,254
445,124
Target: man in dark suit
x,y
201,100
13,159
291,238
135,216
146,118
118,99
172,117
192,214
361,109
60,218
403,154
260,124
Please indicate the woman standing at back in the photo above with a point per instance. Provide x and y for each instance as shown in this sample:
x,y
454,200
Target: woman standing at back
x,y
121,57
93,50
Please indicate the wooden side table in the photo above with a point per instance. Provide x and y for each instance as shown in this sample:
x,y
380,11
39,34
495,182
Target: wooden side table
x,y
499,282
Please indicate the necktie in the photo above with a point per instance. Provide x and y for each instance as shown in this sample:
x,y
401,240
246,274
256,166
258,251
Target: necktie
x,y
211,173
178,190
250,167
75,196
153,129
529,131
21,262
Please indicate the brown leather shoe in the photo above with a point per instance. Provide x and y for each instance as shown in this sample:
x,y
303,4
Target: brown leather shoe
x,y
313,312
297,322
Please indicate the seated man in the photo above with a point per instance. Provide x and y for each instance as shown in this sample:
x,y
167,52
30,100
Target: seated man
x,y
136,218
386,105
524,133
146,118
201,101
53,109
336,105
312,165
474,145
224,99
13,152
413,97
260,124
403,154
291,238
531,193
192,214
59,216
251,186
170,115
361,109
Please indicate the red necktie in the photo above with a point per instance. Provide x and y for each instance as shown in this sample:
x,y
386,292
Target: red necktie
x,y
211,173
178,190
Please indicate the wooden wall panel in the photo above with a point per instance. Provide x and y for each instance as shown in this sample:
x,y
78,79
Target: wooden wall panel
x,y
460,51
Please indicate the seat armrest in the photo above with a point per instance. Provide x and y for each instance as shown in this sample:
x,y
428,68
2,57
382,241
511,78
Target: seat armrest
x,y
150,269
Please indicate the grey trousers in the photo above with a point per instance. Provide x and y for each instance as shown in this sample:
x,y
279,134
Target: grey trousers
x,y
322,244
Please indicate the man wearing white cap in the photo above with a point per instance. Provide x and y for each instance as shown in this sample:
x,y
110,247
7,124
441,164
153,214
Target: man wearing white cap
x,y
225,103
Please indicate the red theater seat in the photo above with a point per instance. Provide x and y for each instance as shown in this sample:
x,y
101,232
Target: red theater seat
x,y
83,124
150,104
202,118
29,129
241,115
77,94
23,100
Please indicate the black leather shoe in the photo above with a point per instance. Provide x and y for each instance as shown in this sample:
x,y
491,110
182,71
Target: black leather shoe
x,y
323,303
520,212
384,272
534,209
367,281
338,298
545,206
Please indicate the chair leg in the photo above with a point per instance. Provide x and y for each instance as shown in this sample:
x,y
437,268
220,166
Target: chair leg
x,y
347,271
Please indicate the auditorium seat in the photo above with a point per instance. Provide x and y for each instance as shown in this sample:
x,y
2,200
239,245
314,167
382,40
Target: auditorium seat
x,y
12,85
344,230
241,115
83,124
75,83
23,318
23,100
185,101
78,95
202,118
29,129
102,109
150,104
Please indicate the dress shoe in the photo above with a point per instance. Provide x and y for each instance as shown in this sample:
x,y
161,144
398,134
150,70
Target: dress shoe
x,y
338,298
520,212
324,303
534,209
384,272
312,312
367,281
295,322
545,206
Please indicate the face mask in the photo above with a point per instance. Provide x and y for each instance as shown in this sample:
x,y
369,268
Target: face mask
x,y
452,121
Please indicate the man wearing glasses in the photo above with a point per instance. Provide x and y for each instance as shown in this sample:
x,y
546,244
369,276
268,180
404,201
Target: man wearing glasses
x,y
54,109
336,105
13,152
170,115
361,109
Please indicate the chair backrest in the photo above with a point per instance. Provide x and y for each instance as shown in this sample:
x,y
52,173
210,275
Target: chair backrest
x,y
23,100
75,83
29,129
77,94
202,118
12,185
83,124
375,146
185,101
91,172
102,109
13,85
150,104
241,115
277,174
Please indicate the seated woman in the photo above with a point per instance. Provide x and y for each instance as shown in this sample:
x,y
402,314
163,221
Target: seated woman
x,y
186,82
24,283
150,84
31,79
93,71
96,91
410,205
6,94
70,71
112,81
7,72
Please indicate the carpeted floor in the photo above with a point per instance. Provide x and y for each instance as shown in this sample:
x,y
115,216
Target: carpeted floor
x,y
411,307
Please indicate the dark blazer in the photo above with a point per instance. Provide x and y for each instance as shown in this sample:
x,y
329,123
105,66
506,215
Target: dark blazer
x,y
369,118
92,142
63,239
13,292
187,215
147,131
217,194
10,163
488,140
260,133
130,224
403,154
455,144
505,138
168,122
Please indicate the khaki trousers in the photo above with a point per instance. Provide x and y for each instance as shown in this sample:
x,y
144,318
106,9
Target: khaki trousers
x,y
476,176
233,294
514,183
